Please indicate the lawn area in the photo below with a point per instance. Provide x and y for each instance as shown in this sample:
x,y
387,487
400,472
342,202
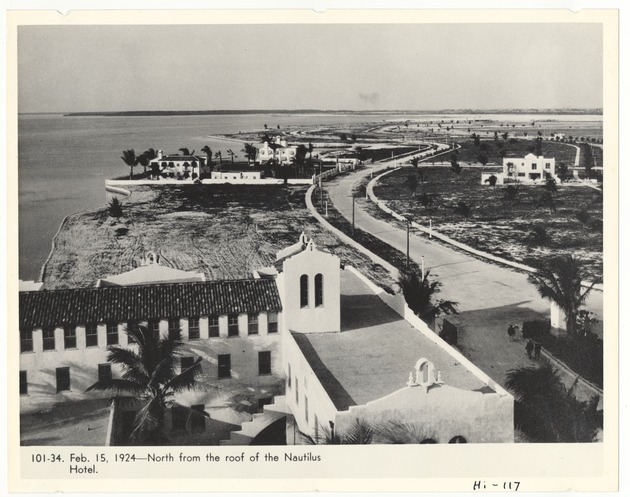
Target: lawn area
x,y
520,230
226,231
469,152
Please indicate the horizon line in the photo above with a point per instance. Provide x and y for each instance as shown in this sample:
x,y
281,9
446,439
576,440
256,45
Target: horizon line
x,y
593,110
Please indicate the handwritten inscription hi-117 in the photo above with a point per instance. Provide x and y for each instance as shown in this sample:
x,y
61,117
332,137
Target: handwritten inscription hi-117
x,y
504,485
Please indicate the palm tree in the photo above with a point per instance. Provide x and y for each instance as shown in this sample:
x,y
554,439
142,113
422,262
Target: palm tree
x,y
560,281
232,155
208,151
218,156
143,160
420,293
129,158
362,432
149,375
250,152
150,154
549,412
185,151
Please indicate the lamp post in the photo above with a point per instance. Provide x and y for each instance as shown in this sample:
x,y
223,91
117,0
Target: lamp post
x,y
408,223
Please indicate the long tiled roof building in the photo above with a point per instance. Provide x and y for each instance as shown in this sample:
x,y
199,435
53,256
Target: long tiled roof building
x,y
83,305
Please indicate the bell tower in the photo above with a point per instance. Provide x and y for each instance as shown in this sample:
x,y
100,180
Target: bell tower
x,y
311,290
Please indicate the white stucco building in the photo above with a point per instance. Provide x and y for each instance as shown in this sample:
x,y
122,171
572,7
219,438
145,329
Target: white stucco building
x,y
237,176
280,151
308,342
531,169
175,166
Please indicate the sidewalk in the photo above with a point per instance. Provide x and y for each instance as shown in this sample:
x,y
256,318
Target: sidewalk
x,y
490,296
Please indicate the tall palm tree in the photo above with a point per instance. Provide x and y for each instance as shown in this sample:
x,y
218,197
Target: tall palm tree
x,y
129,158
232,154
150,375
420,295
218,156
560,281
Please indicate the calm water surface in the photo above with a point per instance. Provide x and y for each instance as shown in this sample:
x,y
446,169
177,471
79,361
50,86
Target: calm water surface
x,y
64,161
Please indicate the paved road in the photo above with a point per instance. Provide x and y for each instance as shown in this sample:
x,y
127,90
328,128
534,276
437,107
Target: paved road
x,y
490,296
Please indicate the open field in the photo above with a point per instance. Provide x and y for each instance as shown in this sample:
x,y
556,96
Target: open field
x,y
520,230
469,153
224,231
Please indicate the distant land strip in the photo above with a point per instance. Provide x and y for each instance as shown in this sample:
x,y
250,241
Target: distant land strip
x,y
141,113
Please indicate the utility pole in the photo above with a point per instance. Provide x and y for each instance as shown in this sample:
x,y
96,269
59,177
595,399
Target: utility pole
x,y
321,194
353,214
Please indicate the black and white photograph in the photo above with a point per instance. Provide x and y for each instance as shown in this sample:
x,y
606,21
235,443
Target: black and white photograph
x,y
308,234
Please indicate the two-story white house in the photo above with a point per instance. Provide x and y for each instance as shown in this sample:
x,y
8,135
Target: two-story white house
x,y
182,167
531,168
279,151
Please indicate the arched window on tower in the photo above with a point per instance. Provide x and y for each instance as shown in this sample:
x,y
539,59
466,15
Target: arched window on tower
x,y
319,290
304,290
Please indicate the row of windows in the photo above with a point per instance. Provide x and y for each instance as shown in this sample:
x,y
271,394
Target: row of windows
x,y
105,370
62,378
91,331
319,290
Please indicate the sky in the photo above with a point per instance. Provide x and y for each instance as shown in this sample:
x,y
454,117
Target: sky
x,y
328,67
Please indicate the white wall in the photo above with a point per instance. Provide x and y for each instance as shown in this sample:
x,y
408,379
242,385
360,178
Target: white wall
x,y
440,413
324,318
320,406
83,362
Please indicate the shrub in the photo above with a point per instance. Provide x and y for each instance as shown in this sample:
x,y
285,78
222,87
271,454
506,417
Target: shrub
x,y
539,235
582,216
115,208
463,209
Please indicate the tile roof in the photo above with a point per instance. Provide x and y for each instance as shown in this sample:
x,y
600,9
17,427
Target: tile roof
x,y
83,305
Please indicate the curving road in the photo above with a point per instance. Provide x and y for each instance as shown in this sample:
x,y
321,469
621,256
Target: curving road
x,y
490,296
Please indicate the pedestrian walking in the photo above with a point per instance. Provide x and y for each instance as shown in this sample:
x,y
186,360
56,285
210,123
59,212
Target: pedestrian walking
x,y
511,332
529,347
537,348
516,328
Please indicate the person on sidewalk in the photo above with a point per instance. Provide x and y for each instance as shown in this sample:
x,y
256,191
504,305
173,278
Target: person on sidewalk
x,y
529,347
537,348
511,333
516,329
